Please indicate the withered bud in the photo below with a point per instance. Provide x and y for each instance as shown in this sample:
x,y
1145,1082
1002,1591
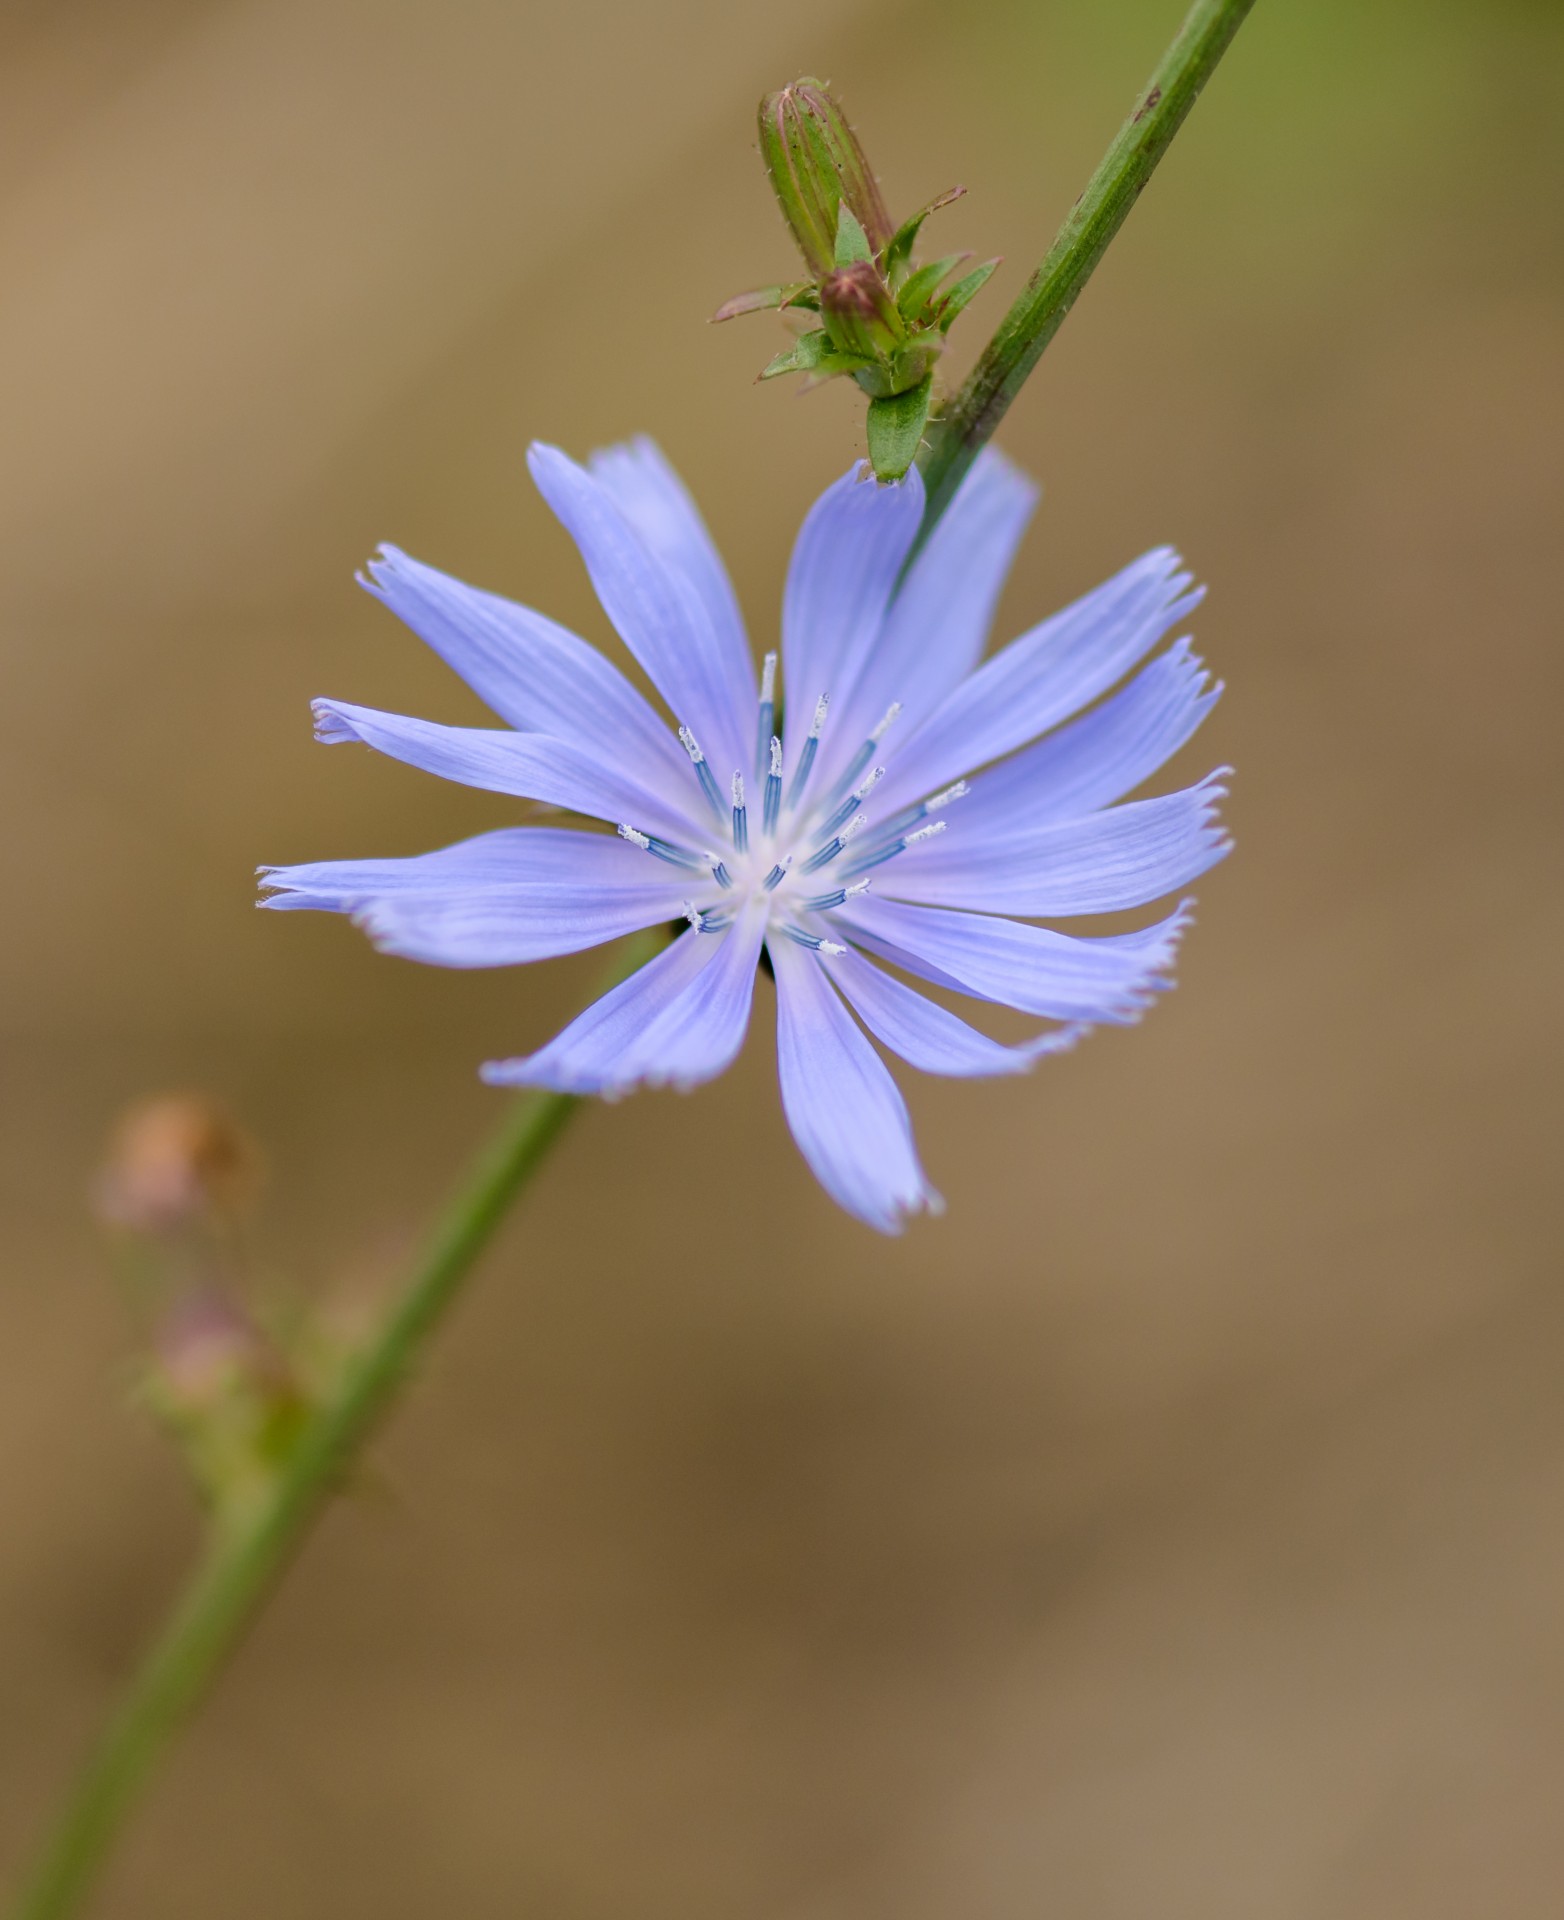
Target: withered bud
x,y
175,1159
859,313
208,1348
815,164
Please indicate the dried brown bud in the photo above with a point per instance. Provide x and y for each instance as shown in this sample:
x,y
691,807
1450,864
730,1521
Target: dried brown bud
x,y
209,1346
175,1159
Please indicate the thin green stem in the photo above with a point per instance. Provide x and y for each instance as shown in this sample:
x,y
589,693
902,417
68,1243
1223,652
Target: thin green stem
x,y
965,426
245,1560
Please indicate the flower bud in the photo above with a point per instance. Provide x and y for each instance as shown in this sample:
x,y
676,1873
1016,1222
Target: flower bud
x,y
859,313
227,1397
208,1350
173,1160
816,164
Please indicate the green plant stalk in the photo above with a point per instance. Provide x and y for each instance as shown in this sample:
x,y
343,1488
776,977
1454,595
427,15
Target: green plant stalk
x,y
245,1559
968,423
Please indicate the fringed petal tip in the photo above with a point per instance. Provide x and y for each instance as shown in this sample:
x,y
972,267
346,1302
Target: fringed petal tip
x,y
384,566
276,891
331,728
1162,943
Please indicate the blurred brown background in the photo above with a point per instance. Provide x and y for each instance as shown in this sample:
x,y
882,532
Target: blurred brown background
x,y
1174,1528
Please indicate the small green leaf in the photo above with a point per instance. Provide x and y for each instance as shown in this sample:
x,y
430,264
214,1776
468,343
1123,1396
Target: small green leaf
x,y
962,292
896,429
898,255
811,353
852,243
914,296
761,299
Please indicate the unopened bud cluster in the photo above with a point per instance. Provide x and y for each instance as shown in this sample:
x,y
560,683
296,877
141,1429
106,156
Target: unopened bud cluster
x,y
883,318
234,1390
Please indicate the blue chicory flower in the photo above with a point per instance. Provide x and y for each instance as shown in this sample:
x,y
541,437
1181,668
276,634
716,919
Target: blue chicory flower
x,y
853,826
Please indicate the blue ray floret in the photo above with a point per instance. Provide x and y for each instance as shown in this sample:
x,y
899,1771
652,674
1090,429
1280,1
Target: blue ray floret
x,y
921,806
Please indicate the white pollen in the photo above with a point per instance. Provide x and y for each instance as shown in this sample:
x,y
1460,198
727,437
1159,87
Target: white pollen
x,y
636,839
857,887
738,789
937,800
856,825
890,715
870,784
768,676
687,741
776,754
830,948
692,914
925,833
821,707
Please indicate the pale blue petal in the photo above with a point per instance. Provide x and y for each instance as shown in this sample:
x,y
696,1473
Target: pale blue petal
x,y
531,765
679,1021
939,621
844,1109
1045,676
509,857
585,1056
1119,857
523,893
846,561
658,505
536,675
1058,976
706,679
506,927
930,1037
1099,758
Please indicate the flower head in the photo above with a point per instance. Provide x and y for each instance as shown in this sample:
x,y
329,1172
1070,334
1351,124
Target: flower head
x,y
910,803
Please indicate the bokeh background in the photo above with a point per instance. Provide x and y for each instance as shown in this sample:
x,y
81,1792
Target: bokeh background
x,y
1176,1526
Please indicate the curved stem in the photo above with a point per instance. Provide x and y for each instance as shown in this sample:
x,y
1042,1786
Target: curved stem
x,y
964,427
244,1561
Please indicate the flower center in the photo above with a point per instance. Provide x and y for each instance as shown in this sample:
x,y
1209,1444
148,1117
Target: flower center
x,y
807,848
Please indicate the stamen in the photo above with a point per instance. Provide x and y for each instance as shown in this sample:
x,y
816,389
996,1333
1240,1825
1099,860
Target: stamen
x,y
777,875
925,807
935,801
702,772
827,947
704,920
891,714
877,856
865,753
664,849
853,801
768,709
740,816
822,856
824,902
811,747
771,800
720,874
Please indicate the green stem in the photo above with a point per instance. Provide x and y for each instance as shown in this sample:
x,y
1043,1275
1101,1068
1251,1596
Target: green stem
x,y
969,421
244,1561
